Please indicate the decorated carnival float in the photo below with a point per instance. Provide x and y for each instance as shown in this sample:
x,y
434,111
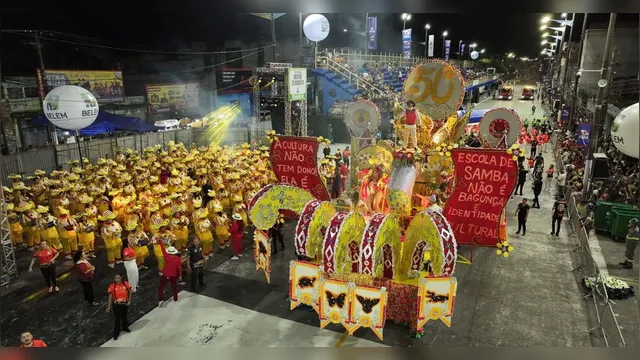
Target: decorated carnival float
x,y
386,250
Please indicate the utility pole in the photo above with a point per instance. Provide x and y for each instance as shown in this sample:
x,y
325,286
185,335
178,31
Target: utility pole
x,y
598,115
559,66
574,95
566,66
300,35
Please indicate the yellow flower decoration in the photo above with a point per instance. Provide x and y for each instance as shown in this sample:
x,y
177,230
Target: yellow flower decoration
x,y
441,153
504,248
448,153
449,147
435,313
509,151
335,317
515,158
306,299
439,148
365,321
514,146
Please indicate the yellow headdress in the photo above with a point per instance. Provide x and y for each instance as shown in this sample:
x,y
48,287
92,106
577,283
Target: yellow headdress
x,y
157,223
131,225
42,209
24,206
107,215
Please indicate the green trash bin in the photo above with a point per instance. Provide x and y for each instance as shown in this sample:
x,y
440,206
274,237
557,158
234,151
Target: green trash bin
x,y
620,222
603,213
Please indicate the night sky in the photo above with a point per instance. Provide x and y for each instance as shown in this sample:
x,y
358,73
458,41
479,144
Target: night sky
x,y
168,30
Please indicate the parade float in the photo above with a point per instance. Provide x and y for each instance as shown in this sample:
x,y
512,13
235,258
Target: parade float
x,y
386,250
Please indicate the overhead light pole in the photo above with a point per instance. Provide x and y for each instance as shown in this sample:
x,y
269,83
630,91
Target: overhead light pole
x,y
405,17
426,38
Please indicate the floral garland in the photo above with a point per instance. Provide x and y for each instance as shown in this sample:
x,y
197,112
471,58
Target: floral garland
x,y
407,157
272,136
323,140
616,288
516,151
504,248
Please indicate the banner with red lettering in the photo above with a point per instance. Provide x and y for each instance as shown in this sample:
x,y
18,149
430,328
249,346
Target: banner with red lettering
x,y
295,162
485,180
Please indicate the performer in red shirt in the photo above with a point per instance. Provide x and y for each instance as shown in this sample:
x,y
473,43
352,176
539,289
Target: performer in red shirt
x,y
237,230
46,258
28,341
344,172
171,273
119,300
412,121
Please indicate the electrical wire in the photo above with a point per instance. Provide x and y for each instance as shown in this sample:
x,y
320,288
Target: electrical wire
x,y
49,38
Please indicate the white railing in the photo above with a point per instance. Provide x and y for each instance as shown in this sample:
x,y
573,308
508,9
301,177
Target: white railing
x,y
358,58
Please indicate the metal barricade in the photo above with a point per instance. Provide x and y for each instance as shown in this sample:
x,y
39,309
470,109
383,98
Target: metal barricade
x,y
606,317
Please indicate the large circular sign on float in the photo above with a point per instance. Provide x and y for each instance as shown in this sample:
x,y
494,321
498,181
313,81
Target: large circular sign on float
x,y
436,87
362,119
70,107
497,124
625,131
474,55
316,27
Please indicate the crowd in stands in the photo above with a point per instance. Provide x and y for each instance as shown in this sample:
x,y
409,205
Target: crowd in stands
x,y
623,184
388,77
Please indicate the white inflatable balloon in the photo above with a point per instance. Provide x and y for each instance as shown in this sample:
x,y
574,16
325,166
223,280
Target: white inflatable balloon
x,y
316,27
474,55
70,107
625,131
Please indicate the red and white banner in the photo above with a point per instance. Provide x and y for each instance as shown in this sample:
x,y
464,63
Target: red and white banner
x,y
295,162
485,180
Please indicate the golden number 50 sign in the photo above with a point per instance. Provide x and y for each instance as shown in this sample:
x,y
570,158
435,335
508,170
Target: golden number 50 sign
x,y
436,88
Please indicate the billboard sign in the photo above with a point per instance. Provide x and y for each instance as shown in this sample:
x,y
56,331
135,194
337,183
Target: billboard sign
x,y
372,33
173,98
406,43
105,85
431,44
297,80
447,49
234,80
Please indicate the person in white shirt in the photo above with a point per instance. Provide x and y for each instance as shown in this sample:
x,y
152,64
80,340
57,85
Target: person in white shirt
x,y
562,181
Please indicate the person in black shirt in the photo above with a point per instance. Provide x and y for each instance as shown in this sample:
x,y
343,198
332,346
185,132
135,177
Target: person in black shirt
x,y
205,192
326,151
537,189
276,234
522,179
534,147
522,212
195,265
559,208
539,161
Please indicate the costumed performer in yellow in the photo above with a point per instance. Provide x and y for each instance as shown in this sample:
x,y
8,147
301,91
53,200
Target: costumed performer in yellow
x,y
67,231
47,224
86,234
222,227
15,226
30,220
179,227
140,242
202,227
373,189
240,208
112,235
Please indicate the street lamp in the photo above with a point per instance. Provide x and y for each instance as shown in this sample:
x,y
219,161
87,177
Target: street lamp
x,y
482,51
345,30
543,42
545,19
564,15
405,17
426,38
444,39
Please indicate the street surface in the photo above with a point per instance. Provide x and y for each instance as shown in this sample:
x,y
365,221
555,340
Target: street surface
x,y
531,298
